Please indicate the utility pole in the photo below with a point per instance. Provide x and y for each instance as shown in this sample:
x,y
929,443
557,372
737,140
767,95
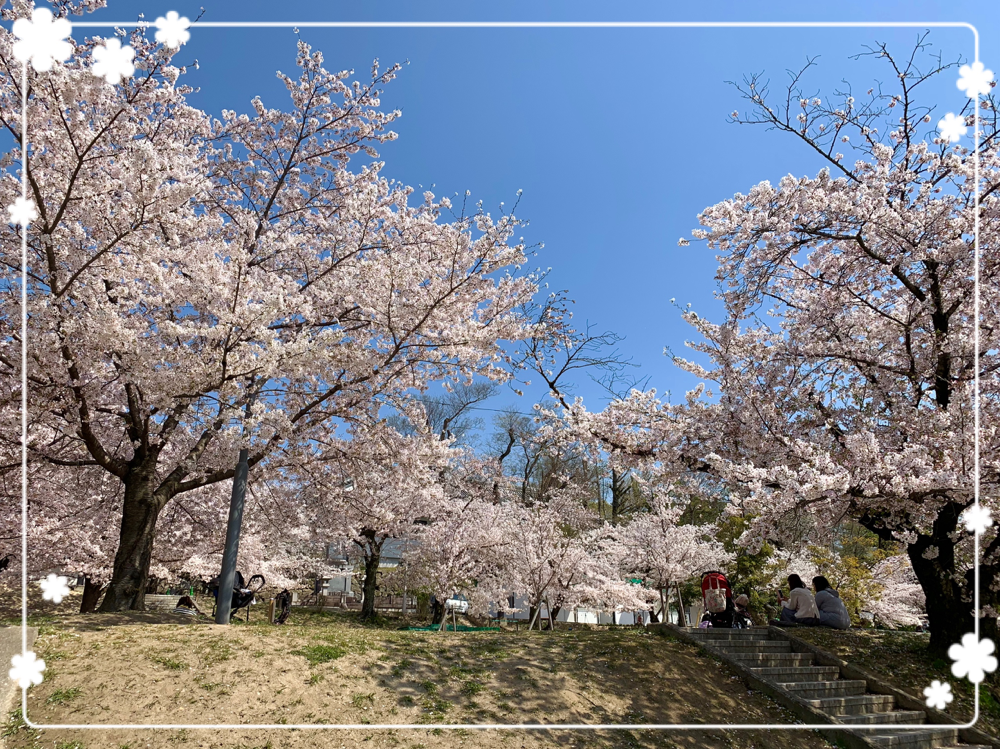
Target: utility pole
x,y
224,603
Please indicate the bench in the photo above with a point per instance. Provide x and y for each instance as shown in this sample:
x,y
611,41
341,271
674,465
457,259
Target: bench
x,y
161,602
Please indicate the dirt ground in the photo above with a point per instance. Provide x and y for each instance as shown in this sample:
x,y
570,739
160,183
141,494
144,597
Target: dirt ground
x,y
327,669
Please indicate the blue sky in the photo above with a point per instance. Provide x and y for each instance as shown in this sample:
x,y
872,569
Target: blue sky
x,y
618,138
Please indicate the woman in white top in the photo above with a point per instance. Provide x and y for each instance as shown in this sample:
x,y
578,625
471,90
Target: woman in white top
x,y
800,606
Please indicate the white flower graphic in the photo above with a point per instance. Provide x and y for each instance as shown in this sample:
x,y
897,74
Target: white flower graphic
x,y
973,658
978,519
42,39
938,695
54,588
113,62
952,127
173,30
26,670
22,211
974,79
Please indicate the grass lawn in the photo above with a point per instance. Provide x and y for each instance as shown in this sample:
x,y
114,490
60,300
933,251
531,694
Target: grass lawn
x,y
326,668
901,658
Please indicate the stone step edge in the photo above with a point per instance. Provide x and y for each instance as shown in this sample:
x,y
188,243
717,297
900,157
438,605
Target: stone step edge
x,y
857,719
904,738
796,670
904,700
801,708
856,699
845,683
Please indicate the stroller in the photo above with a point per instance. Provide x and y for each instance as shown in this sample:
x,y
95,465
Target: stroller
x,y
717,596
244,592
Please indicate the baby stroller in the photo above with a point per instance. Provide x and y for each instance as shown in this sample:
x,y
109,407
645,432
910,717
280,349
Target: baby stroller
x,y
717,596
244,593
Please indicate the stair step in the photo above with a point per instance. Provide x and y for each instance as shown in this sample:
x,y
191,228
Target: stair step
x,y
798,673
896,716
758,646
772,659
916,739
865,703
730,634
814,689
700,630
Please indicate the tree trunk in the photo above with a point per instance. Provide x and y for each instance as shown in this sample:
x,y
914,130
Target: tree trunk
x,y
534,610
949,599
948,616
554,616
682,618
438,612
617,494
373,556
91,595
141,507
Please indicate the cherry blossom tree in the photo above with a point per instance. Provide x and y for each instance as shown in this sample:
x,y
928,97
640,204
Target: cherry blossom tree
x,y
372,487
842,382
555,557
72,526
846,364
658,547
463,551
900,601
198,283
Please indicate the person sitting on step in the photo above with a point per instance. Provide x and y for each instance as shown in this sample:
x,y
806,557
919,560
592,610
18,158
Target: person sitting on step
x,y
800,606
832,611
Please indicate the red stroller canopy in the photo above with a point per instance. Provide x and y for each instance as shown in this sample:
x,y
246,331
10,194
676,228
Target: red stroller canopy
x,y
715,580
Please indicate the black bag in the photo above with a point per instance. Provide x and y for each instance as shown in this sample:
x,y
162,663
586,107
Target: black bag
x,y
284,601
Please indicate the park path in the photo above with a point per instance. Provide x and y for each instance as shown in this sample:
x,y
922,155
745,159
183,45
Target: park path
x,y
769,656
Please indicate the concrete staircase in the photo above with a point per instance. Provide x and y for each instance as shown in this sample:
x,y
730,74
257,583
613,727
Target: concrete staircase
x,y
822,688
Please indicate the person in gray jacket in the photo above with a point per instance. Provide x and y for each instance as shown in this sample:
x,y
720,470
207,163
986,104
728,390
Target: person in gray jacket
x,y
832,611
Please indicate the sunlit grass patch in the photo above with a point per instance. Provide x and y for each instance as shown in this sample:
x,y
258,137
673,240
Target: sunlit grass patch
x,y
317,654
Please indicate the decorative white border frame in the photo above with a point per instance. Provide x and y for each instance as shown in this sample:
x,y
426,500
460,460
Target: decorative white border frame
x,y
495,726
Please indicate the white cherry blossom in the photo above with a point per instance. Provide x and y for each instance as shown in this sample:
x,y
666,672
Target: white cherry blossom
x,y
978,519
26,670
22,212
824,399
54,588
973,658
974,79
113,62
42,39
167,171
938,695
952,127
173,30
